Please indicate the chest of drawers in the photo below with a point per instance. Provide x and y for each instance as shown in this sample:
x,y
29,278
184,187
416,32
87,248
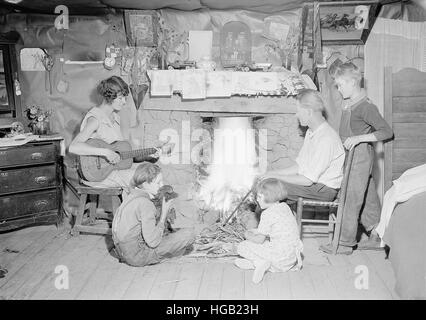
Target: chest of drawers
x,y
30,184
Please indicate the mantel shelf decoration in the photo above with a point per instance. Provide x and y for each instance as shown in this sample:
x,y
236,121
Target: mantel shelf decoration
x,y
201,84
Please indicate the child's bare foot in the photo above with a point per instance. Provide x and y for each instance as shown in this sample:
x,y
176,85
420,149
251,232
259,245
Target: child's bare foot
x,y
244,264
259,272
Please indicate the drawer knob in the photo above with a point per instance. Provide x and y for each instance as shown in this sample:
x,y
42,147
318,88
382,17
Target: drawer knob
x,y
36,156
41,203
41,180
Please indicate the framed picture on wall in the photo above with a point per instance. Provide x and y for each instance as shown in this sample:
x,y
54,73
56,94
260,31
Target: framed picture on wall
x,y
141,27
347,23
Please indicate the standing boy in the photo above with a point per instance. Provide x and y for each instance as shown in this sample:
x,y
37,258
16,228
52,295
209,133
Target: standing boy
x,y
360,125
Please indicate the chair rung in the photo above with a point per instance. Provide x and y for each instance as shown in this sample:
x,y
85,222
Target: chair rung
x,y
317,229
318,221
320,203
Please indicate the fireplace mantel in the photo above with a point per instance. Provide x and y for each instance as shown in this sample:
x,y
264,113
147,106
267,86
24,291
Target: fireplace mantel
x,y
234,104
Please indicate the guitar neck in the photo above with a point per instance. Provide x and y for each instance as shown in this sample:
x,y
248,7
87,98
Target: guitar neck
x,y
137,153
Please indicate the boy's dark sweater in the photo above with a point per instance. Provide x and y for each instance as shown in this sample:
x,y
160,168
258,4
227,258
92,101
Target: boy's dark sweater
x,y
365,119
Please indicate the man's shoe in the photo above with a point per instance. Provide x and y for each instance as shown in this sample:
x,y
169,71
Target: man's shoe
x,y
372,243
328,248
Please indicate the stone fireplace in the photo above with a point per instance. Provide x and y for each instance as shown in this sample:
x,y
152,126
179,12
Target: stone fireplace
x,y
277,138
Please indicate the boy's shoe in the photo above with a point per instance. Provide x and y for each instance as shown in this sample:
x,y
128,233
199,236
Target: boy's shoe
x,y
371,243
327,248
244,264
259,272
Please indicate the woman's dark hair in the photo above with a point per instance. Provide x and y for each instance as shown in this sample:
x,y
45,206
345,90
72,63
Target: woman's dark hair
x,y
111,87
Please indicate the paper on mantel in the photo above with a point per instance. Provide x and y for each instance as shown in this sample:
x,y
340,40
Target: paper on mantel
x,y
161,82
219,84
194,84
200,44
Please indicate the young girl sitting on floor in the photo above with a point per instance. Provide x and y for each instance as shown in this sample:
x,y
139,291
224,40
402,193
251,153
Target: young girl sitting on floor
x,y
281,252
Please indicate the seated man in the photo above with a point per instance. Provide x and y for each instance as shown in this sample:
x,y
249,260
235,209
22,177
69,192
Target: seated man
x,y
318,171
139,240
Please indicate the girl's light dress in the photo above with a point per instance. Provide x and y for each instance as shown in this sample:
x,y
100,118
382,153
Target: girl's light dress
x,y
284,246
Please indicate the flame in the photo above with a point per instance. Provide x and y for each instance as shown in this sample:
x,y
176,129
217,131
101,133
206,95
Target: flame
x,y
233,169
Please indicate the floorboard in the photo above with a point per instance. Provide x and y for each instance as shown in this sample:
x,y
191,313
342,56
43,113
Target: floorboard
x,y
57,249
324,288
232,283
376,285
278,286
253,291
119,282
302,286
95,274
142,283
384,270
188,286
18,240
212,281
81,265
33,273
75,251
95,287
15,262
166,282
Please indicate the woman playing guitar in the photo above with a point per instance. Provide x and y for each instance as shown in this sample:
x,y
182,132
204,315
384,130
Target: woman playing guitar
x,y
103,123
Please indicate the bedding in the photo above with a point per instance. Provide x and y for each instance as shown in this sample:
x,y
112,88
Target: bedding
x,y
406,237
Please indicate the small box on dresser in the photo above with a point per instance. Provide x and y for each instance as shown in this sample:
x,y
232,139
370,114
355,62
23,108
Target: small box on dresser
x,y
30,184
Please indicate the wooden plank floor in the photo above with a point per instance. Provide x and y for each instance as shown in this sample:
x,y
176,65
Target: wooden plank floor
x,y
32,256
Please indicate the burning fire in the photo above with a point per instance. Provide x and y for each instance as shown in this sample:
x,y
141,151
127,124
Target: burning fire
x,y
233,169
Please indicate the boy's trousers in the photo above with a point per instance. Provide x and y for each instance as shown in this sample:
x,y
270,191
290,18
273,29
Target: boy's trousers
x,y
135,252
361,196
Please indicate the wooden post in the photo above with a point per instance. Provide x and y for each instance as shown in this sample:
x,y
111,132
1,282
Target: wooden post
x,y
302,28
387,112
316,30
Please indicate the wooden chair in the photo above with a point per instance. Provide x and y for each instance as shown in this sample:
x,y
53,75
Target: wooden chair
x,y
333,225
89,199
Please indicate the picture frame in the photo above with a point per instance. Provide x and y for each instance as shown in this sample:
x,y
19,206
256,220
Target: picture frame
x,y
141,27
347,23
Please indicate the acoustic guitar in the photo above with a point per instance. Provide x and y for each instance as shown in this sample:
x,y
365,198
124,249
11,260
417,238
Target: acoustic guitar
x,y
97,168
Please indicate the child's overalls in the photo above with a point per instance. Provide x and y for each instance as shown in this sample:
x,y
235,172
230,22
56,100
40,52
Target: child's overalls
x,y
361,195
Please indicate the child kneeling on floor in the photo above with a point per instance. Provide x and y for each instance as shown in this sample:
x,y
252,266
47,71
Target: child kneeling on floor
x,y
281,252
139,240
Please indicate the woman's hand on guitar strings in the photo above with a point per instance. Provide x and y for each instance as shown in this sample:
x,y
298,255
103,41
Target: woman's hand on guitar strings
x,y
112,157
157,153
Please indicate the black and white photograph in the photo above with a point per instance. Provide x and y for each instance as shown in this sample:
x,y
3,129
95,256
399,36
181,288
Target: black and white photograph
x,y
212,155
